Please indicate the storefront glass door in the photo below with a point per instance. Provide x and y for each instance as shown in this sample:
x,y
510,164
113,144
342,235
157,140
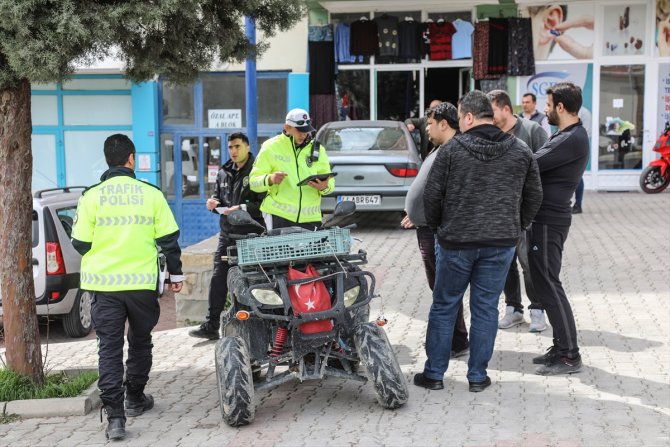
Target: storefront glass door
x,y
621,121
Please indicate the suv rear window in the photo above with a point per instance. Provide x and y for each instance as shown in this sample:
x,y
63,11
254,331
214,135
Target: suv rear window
x,y
36,229
356,139
66,217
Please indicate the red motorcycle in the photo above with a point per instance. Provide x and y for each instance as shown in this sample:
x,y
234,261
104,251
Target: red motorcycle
x,y
656,177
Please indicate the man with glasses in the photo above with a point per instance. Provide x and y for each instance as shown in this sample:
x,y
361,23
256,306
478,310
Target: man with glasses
x,y
441,126
282,163
482,191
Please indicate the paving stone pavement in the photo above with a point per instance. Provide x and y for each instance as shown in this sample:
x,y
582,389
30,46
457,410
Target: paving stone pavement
x,y
616,263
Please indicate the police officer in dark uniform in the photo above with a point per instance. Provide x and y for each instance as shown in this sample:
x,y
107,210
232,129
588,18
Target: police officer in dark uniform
x,y
120,222
231,193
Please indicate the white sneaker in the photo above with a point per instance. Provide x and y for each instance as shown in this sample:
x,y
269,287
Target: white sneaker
x,y
511,318
537,323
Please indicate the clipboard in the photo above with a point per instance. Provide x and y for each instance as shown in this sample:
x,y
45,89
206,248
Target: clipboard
x,y
322,177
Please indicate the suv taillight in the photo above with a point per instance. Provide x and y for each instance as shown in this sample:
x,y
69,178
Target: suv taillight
x,y
55,264
403,170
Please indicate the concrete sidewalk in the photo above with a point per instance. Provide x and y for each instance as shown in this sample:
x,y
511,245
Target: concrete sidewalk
x,y
615,271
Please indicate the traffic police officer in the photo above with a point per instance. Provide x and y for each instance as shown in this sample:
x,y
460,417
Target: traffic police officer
x,y
282,163
118,226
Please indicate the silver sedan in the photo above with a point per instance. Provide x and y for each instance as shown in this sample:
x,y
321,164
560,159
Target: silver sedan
x,y
375,161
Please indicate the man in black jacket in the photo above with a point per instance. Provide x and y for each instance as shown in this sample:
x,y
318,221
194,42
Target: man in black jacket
x,y
482,191
562,161
231,193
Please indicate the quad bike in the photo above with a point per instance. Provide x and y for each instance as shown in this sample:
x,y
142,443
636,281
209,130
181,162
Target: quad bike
x,y
279,328
656,177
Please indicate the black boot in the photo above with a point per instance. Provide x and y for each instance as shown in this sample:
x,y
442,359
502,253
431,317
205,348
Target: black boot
x,y
205,330
136,401
116,421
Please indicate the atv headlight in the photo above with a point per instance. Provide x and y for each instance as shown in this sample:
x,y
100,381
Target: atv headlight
x,y
351,295
267,296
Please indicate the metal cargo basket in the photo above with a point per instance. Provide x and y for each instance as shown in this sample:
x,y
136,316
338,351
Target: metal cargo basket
x,y
292,247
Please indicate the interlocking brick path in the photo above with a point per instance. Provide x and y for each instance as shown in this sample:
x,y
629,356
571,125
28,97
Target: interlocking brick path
x,y
615,272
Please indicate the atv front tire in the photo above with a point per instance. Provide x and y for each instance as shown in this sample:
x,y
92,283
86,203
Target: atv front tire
x,y
233,377
381,365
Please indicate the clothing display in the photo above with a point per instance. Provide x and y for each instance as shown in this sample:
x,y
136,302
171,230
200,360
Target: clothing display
x,y
480,54
363,40
322,68
342,42
323,109
520,57
461,41
320,33
410,37
498,45
387,29
440,40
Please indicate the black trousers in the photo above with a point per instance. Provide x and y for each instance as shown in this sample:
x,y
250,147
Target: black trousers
x,y
426,239
218,286
109,312
545,256
513,284
280,222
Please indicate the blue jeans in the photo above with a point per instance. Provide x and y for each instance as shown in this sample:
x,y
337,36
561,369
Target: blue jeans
x,y
484,270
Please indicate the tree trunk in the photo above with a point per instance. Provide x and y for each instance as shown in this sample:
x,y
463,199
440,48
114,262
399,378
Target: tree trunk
x,y
22,337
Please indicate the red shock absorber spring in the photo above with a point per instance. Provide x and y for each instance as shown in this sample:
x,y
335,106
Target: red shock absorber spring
x,y
337,348
280,339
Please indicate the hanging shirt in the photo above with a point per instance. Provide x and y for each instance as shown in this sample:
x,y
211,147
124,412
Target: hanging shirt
x,y
342,42
363,40
440,40
409,41
321,68
520,58
498,45
387,29
461,41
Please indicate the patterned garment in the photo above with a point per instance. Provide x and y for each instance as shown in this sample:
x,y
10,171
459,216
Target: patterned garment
x,y
480,54
322,109
440,40
521,60
387,29
320,33
364,40
498,45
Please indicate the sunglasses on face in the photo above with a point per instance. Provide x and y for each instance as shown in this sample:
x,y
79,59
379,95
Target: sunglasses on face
x,y
303,122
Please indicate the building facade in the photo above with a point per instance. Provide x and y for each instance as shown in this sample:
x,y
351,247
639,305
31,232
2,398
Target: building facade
x,y
616,51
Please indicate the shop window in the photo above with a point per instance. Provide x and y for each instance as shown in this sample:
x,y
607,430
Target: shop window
x,y
178,103
214,156
44,110
167,163
228,92
190,171
353,94
97,84
44,162
108,110
84,157
394,106
621,117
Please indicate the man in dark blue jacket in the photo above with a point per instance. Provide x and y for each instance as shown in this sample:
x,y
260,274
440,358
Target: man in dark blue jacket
x,y
231,193
562,161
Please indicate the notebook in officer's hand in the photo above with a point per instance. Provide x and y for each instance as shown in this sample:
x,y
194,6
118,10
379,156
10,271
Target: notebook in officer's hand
x,y
321,177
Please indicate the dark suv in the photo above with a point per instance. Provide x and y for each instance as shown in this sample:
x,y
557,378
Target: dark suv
x,y
55,261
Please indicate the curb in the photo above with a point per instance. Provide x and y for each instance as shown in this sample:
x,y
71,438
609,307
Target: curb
x,y
63,406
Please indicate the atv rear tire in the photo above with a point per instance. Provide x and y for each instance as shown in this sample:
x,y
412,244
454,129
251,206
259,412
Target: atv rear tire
x,y
381,365
233,377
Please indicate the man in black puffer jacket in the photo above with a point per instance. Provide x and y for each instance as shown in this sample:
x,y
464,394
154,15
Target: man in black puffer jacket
x,y
482,191
231,193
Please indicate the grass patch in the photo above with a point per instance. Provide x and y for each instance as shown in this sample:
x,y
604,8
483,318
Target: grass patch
x,y
9,418
15,387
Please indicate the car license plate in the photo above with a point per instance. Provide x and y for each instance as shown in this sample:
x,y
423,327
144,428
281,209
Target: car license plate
x,y
375,200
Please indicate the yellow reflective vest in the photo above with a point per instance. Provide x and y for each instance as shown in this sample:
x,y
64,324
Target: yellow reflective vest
x,y
288,200
121,217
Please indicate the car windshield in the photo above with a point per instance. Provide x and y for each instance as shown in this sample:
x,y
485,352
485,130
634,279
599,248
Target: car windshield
x,y
357,139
